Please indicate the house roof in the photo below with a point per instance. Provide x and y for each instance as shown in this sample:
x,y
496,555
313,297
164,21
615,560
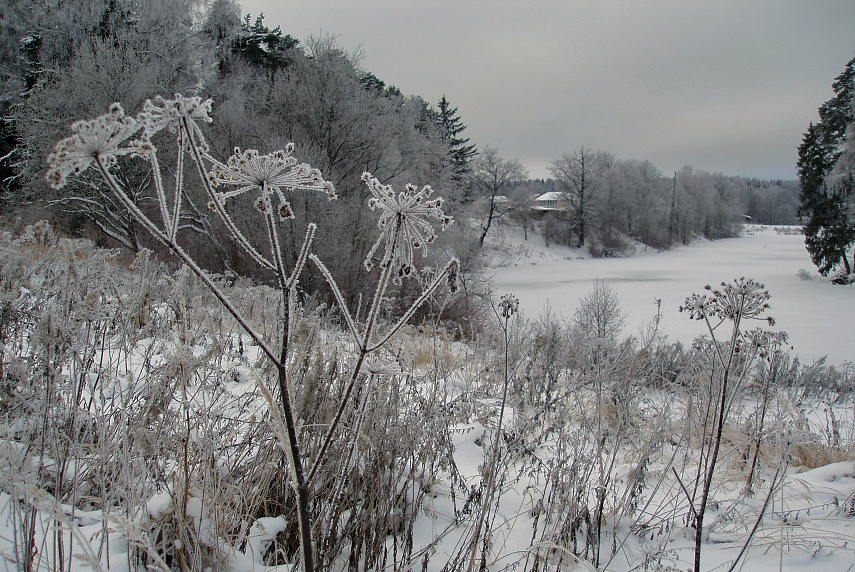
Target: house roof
x,y
551,196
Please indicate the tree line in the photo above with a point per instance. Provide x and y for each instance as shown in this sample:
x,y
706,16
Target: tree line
x,y
63,61
603,202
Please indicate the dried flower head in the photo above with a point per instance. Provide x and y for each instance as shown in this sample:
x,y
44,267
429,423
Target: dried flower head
x,y
100,138
741,299
168,114
270,174
766,343
404,222
509,305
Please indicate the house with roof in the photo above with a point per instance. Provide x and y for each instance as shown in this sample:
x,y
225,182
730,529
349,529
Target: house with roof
x,y
551,201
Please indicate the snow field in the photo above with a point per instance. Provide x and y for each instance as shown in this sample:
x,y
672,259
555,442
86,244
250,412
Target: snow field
x,y
812,312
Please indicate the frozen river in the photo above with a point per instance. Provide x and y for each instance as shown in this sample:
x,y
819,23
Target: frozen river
x,y
818,316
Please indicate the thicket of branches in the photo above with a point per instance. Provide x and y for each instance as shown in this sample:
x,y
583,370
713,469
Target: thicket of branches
x,y
269,89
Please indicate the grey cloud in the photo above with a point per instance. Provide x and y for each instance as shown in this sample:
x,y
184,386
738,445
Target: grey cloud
x,y
724,86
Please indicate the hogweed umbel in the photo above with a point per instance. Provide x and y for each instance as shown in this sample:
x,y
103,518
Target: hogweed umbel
x,y
509,304
404,223
269,174
741,299
170,113
99,139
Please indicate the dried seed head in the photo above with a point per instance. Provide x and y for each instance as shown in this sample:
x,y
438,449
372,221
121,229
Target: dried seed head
x,y
404,223
98,139
272,173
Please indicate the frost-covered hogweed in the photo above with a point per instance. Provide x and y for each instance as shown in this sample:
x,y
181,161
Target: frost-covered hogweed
x,y
766,343
404,222
168,113
509,304
97,139
269,174
742,299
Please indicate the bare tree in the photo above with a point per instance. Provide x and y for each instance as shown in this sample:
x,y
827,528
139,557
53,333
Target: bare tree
x,y
492,176
521,203
575,174
647,215
599,316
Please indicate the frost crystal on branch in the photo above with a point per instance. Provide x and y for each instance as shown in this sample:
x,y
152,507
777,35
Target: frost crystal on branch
x,y
404,222
269,174
100,138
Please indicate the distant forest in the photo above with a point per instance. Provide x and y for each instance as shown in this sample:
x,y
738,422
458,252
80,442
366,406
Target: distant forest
x,y
68,60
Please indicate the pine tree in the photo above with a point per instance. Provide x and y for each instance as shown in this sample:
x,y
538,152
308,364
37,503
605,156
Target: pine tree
x,y
459,149
827,205
263,47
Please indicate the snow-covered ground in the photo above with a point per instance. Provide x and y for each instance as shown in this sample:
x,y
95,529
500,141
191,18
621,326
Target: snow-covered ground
x,y
816,315
808,522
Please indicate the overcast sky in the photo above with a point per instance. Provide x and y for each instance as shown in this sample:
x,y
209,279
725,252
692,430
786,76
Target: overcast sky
x,y
724,85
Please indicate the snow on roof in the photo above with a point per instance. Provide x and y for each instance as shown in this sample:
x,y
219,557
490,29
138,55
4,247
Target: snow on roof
x,y
551,196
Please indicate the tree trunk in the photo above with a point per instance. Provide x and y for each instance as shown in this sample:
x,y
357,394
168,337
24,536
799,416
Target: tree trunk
x,y
672,219
489,222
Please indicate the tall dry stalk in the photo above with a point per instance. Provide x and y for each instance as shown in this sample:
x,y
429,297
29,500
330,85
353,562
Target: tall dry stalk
x,y
735,303
404,222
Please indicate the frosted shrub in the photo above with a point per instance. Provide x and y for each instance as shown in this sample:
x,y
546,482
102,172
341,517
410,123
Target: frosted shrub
x,y
599,315
104,143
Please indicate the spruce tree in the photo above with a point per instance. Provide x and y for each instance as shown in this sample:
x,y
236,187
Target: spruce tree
x,y
826,205
459,149
263,47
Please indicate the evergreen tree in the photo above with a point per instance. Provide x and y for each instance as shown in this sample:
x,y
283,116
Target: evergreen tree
x,y
459,149
827,205
377,86
263,47
828,234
